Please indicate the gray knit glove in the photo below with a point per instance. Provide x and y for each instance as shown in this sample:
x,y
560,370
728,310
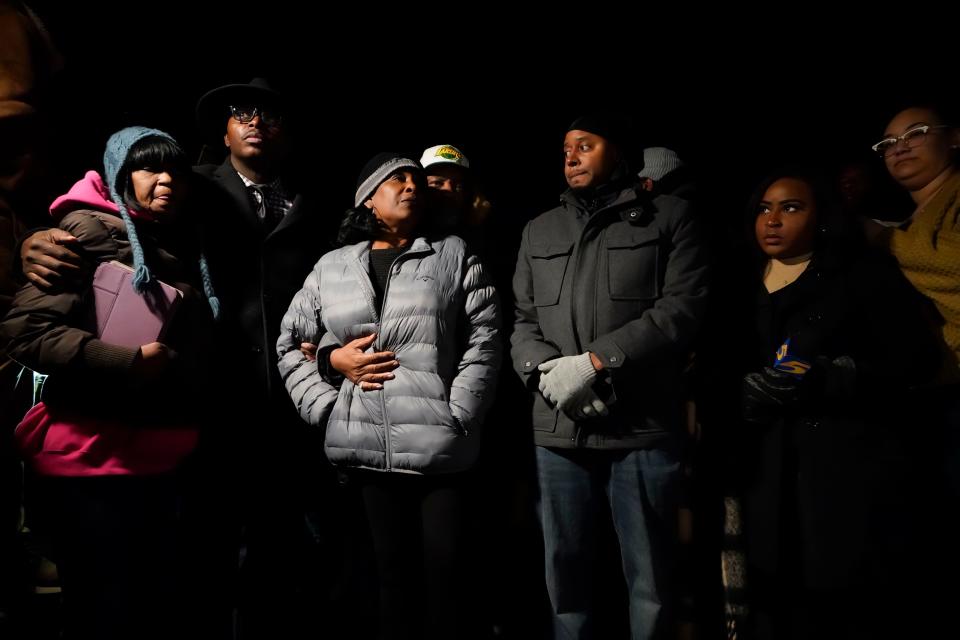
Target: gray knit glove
x,y
564,381
588,405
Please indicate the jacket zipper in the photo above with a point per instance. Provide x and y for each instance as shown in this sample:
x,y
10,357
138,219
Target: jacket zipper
x,y
577,439
388,445
575,256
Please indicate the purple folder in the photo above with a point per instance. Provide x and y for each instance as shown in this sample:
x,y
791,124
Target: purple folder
x,y
126,318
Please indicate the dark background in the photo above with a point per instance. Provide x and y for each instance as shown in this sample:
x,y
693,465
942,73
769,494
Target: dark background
x,y
733,102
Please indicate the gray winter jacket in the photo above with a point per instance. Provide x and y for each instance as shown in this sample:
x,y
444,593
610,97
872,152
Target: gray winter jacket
x,y
440,316
628,283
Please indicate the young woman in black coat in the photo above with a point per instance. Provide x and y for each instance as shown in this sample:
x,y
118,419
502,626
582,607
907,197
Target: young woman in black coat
x,y
827,340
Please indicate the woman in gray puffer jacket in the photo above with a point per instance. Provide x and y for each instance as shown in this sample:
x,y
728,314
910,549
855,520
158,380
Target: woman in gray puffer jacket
x,y
427,317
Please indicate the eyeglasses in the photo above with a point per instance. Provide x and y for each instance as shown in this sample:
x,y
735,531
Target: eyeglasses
x,y
912,138
246,113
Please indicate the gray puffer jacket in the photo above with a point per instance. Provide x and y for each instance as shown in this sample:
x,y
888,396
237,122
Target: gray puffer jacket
x,y
439,315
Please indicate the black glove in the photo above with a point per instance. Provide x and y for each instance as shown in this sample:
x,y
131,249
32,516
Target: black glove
x,y
764,395
830,379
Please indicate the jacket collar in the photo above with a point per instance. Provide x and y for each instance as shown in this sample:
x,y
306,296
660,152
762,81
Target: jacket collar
x,y
234,185
361,250
633,203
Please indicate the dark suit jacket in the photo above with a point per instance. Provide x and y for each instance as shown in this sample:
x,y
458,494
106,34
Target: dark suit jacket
x,y
256,272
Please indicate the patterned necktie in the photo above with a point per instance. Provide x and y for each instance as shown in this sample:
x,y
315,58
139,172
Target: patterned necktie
x,y
268,203
258,201
274,203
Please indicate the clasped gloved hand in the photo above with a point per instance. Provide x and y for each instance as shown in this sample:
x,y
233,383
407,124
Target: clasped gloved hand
x,y
588,405
565,381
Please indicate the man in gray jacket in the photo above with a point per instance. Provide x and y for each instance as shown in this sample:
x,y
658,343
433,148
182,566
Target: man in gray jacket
x,y
610,288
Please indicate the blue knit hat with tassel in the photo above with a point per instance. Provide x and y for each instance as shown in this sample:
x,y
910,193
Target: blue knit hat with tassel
x,y
114,157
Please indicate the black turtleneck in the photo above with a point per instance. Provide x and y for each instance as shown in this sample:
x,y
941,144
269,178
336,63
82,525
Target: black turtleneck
x,y
380,261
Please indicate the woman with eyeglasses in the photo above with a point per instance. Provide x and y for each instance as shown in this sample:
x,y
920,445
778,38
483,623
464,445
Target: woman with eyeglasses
x,y
108,444
406,326
824,338
920,150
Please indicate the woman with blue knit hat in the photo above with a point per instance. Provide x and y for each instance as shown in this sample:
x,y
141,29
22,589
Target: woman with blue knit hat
x,y
116,424
406,323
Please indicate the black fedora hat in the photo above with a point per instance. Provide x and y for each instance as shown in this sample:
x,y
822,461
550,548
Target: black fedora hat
x,y
212,107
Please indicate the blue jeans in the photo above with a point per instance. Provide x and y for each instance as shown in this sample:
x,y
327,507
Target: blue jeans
x,y
642,487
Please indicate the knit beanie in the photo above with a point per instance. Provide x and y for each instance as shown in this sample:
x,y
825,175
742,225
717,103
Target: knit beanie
x,y
610,127
379,169
615,129
114,159
659,162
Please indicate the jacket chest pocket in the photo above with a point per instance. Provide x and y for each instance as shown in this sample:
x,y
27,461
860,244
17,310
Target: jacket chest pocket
x,y
633,265
549,264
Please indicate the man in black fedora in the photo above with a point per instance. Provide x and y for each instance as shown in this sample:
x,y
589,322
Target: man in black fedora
x,y
264,237
252,122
